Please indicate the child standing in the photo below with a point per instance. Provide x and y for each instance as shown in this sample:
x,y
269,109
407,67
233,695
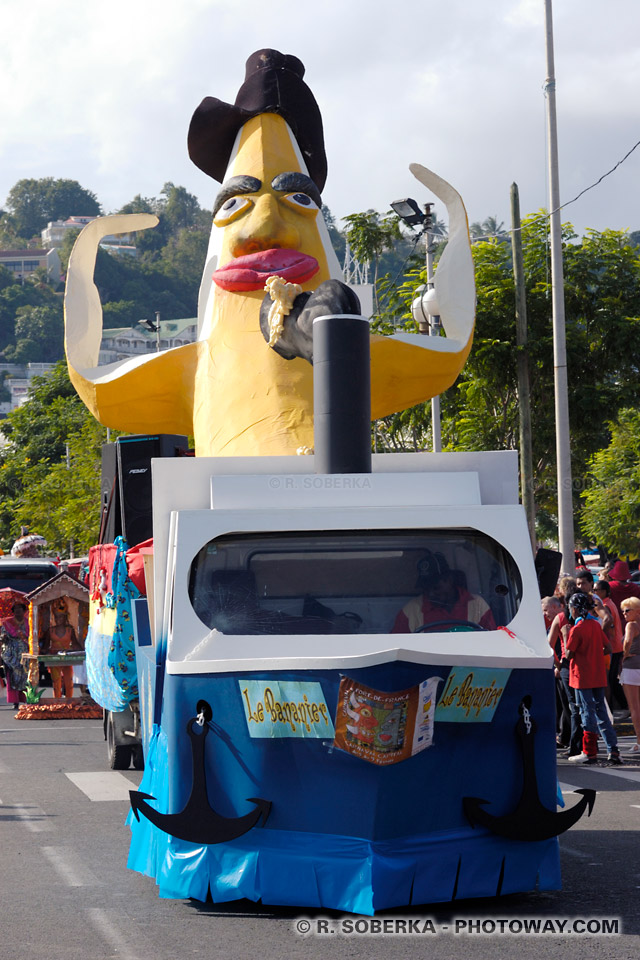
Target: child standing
x,y
586,648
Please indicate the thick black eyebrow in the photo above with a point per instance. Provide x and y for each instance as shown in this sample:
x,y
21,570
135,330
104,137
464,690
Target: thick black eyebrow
x,y
297,181
236,185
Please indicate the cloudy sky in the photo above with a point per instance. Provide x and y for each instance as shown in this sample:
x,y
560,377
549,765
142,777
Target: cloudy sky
x,y
103,94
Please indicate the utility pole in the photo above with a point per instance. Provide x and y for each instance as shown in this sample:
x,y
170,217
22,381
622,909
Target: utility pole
x,y
68,463
524,393
563,438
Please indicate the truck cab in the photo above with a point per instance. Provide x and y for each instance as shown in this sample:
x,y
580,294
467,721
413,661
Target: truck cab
x,y
285,620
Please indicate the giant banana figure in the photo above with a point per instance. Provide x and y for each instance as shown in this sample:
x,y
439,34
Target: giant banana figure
x,y
245,386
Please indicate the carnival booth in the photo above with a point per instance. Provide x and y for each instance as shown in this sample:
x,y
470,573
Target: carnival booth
x,y
58,620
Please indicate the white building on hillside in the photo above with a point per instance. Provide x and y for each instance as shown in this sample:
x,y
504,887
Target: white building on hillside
x,y
56,230
123,342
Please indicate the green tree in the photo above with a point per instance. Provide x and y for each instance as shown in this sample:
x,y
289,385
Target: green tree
x,y
369,235
7,279
5,393
184,255
611,513
602,303
490,227
120,313
10,238
33,203
13,297
336,237
39,334
182,209
602,293
34,482
139,204
64,251
61,501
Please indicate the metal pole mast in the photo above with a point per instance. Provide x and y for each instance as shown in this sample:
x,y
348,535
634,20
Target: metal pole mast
x,y
524,393
434,331
563,439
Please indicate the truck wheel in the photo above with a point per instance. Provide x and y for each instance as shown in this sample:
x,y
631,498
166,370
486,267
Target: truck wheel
x,y
119,753
138,758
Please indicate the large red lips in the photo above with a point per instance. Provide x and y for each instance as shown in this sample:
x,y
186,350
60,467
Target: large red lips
x,y
252,271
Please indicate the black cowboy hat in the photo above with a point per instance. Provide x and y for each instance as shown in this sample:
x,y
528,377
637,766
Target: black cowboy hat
x,y
273,84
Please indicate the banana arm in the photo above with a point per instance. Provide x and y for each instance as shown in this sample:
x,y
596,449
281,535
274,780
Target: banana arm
x,y
407,369
151,393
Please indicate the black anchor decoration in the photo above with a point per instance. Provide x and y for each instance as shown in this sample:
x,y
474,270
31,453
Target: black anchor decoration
x,y
530,820
198,822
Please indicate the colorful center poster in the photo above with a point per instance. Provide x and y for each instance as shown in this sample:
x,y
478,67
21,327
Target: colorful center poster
x,y
385,728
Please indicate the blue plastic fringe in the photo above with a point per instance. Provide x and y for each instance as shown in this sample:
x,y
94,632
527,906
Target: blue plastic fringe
x,y
335,872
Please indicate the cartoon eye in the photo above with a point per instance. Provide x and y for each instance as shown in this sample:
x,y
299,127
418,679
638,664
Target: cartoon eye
x,y
231,209
301,203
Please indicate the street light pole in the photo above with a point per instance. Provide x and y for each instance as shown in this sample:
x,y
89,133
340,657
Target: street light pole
x,y
563,439
424,308
434,331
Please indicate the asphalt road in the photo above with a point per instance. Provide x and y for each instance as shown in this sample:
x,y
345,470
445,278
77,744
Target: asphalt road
x,y
65,890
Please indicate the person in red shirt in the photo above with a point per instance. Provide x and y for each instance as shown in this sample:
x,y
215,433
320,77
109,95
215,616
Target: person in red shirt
x,y
615,636
586,648
619,584
442,599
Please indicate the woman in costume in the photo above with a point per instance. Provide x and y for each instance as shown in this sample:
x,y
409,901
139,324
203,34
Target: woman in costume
x,y
61,638
14,641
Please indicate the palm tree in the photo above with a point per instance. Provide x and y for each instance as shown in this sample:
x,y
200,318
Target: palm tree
x,y
492,227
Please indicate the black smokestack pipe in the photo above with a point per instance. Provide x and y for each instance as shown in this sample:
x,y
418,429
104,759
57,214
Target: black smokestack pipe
x,y
342,394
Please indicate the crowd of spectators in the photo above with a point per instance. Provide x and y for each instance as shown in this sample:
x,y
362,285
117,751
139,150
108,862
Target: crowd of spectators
x,y
594,631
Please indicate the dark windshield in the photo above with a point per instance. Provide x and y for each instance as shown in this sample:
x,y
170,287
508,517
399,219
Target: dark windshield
x,y
25,577
346,581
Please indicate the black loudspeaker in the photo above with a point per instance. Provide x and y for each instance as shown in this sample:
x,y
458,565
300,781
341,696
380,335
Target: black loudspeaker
x,y
111,513
548,565
129,483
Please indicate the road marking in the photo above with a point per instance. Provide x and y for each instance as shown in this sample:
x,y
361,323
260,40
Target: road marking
x,y
567,788
55,726
107,928
33,818
633,775
623,774
66,865
105,785
571,852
